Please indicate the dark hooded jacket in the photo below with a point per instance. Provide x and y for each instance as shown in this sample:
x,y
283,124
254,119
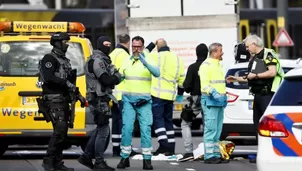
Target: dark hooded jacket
x,y
192,82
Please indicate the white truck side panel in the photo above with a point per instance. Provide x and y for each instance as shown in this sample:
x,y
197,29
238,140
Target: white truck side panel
x,y
184,33
184,42
165,8
155,8
205,7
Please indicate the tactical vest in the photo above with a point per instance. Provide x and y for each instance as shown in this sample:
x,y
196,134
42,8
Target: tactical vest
x,y
63,71
93,85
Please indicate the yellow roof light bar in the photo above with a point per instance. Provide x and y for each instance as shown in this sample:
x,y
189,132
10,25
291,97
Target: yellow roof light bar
x,y
42,26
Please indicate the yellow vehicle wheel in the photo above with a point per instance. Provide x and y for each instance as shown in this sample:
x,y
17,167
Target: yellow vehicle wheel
x,y
3,148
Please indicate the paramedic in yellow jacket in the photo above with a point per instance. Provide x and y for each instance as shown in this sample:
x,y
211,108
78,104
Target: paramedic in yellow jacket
x,y
117,56
213,101
164,93
137,72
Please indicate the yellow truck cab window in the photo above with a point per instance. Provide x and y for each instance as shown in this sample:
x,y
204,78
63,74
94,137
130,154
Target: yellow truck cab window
x,y
21,58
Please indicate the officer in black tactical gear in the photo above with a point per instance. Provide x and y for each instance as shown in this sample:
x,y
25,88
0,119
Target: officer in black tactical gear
x,y
56,75
101,77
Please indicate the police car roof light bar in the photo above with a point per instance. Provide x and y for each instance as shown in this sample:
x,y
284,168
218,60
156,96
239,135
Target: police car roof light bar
x,y
15,27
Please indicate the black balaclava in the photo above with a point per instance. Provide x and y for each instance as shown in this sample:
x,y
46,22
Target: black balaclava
x,y
202,51
57,42
61,46
101,46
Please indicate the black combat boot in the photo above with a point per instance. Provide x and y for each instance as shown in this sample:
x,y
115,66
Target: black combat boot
x,y
85,161
116,153
59,166
133,153
212,160
48,164
102,166
147,165
124,163
187,157
164,151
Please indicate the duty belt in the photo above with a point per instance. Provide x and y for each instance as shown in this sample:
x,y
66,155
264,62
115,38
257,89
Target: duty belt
x,y
105,98
54,97
263,90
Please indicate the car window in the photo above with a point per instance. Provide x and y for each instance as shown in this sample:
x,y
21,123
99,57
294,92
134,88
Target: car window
x,y
239,72
22,58
289,93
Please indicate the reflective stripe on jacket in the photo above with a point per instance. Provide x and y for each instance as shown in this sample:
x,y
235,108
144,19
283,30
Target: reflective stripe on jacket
x,y
118,55
137,80
211,76
171,74
280,73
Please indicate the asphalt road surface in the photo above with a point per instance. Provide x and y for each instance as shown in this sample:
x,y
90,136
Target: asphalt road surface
x,y
29,159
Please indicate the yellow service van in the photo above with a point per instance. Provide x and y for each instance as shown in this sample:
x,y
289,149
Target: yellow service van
x,y
22,45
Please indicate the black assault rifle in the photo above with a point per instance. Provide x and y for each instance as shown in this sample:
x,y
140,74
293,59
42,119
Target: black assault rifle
x,y
74,97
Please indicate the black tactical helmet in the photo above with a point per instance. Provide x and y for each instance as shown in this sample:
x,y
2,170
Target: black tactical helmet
x,y
58,36
241,54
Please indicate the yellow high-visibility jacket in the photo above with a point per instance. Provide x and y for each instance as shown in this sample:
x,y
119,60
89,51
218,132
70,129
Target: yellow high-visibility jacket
x,y
117,57
171,74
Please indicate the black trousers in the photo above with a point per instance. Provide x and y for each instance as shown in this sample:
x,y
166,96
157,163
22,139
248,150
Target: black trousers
x,y
96,143
60,113
116,127
261,102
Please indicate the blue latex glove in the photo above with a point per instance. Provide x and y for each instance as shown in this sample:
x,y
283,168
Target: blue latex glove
x,y
142,59
153,69
179,98
217,96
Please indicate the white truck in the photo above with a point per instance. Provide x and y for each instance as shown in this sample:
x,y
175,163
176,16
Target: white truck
x,y
184,24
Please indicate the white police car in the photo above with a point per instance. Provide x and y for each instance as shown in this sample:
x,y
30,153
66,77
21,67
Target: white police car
x,y
280,128
238,115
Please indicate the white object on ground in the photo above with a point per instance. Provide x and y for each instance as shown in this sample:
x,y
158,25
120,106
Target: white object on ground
x,y
160,157
173,163
198,151
190,169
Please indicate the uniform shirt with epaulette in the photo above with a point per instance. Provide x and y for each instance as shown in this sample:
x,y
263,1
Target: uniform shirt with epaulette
x,y
269,60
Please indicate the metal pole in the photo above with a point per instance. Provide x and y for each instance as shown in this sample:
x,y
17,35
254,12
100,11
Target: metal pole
x,y
58,4
238,20
237,13
282,9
